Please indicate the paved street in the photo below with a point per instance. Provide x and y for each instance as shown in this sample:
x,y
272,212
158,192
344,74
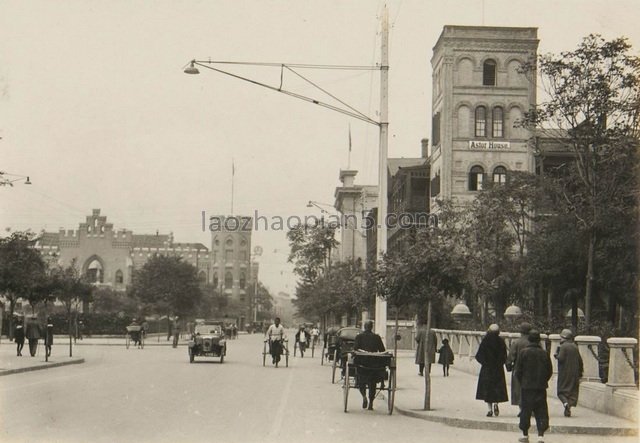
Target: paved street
x,y
154,394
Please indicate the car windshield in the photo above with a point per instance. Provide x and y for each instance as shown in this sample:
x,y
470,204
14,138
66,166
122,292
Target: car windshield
x,y
208,329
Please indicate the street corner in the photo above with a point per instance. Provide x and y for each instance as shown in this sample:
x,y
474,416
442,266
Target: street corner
x,y
27,364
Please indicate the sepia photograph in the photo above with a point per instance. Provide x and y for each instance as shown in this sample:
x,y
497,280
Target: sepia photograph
x,y
323,221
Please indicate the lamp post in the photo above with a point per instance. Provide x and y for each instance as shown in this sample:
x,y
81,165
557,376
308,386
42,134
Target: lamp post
x,y
382,124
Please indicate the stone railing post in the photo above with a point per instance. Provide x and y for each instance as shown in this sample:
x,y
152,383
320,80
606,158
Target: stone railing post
x,y
588,347
543,341
555,344
465,343
621,362
474,338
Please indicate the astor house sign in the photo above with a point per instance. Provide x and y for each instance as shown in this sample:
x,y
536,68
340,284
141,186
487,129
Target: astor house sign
x,y
487,145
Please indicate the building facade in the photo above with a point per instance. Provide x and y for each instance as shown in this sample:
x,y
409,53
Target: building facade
x,y
479,96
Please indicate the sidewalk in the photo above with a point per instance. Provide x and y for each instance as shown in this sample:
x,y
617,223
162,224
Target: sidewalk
x,y
12,364
453,403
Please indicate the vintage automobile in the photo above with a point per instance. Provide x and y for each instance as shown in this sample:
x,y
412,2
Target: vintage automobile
x,y
208,340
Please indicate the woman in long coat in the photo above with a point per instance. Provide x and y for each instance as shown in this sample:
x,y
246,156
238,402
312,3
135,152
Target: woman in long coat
x,y
421,340
492,355
517,346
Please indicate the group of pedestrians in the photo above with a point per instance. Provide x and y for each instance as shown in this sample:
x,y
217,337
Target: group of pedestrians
x,y
531,369
33,332
425,359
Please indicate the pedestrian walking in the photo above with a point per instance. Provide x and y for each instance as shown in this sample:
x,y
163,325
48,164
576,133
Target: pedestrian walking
x,y
492,355
570,368
446,356
18,336
302,340
48,338
421,359
517,346
533,370
33,334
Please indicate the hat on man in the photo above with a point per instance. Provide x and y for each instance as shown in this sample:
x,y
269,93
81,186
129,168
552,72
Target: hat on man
x,y
534,336
566,334
494,328
525,327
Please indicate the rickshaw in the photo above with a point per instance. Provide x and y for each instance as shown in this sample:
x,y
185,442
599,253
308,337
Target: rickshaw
x,y
329,345
370,367
284,350
345,339
136,334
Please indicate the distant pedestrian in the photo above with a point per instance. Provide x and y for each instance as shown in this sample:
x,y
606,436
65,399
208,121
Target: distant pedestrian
x,y
446,356
517,346
421,359
533,370
18,336
302,340
492,355
48,338
570,368
33,334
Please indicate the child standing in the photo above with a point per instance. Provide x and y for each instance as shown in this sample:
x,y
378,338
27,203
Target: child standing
x,y
446,356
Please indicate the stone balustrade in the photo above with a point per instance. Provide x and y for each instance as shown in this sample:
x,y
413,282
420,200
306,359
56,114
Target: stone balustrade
x,y
588,347
621,362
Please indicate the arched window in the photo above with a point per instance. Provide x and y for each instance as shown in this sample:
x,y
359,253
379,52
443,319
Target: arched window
x,y
243,280
500,175
229,242
119,277
95,272
489,73
228,280
476,178
481,121
497,119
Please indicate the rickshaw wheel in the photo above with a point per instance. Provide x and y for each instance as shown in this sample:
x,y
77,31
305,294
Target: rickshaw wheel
x,y
264,355
127,341
191,356
392,389
322,356
141,341
313,348
286,357
345,388
335,363
222,357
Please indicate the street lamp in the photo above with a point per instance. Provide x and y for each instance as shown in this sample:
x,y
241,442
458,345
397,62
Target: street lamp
x,y
7,179
382,124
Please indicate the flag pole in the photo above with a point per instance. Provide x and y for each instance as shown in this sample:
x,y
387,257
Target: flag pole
x,y
233,173
349,157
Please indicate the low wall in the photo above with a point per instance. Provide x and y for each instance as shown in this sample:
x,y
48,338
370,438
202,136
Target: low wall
x,y
618,397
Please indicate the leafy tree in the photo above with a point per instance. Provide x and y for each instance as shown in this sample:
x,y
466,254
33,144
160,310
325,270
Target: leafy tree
x,y
21,270
593,94
71,289
107,300
311,247
167,285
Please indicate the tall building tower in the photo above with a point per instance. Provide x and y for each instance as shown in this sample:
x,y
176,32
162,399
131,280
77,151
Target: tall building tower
x,y
231,255
478,97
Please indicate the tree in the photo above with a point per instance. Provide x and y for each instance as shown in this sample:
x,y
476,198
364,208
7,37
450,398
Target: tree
x,y
167,285
311,247
107,300
21,269
593,97
71,289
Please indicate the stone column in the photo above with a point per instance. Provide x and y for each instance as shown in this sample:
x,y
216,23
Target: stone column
x,y
621,362
555,344
588,347
465,343
543,342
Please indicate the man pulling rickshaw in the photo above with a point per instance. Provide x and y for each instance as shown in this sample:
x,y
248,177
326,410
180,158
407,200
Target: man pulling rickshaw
x,y
135,334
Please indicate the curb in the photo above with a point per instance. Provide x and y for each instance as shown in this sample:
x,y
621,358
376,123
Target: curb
x,y
513,427
43,366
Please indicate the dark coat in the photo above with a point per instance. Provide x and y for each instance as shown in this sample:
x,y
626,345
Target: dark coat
x,y
18,334
516,346
570,368
368,341
307,335
421,340
492,355
446,355
48,338
533,367
32,331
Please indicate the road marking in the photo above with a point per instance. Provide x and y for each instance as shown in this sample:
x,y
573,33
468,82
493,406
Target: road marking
x,y
277,422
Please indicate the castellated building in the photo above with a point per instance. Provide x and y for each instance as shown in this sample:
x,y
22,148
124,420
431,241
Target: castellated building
x,y
478,96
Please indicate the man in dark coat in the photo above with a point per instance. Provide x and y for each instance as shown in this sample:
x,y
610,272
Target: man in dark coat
x,y
32,333
570,368
18,336
492,355
421,359
302,340
368,341
517,346
533,370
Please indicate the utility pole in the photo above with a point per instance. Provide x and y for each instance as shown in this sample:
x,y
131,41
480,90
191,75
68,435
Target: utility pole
x,y
381,243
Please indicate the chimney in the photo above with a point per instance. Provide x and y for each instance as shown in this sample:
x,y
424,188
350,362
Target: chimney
x,y
425,147
347,177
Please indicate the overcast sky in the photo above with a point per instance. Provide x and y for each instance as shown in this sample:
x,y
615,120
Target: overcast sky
x,y
95,108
